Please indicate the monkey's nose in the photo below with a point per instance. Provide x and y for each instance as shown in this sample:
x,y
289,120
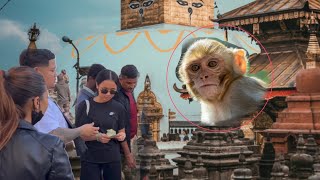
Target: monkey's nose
x,y
204,77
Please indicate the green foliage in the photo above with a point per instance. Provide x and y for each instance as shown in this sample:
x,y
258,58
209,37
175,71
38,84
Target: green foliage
x,y
262,75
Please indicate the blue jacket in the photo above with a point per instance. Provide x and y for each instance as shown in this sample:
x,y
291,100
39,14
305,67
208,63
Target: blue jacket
x,y
84,94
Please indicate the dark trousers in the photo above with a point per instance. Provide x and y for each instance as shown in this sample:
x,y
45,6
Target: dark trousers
x,y
92,171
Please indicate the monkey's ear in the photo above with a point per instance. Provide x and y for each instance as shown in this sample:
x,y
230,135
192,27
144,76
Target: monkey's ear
x,y
240,61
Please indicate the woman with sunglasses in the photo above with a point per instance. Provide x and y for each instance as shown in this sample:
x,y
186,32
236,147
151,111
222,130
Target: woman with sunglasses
x,y
103,155
26,153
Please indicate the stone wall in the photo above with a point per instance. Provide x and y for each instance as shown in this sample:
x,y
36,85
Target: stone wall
x,y
174,13
141,16
134,14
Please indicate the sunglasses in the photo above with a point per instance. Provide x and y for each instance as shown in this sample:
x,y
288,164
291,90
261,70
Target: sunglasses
x,y
105,91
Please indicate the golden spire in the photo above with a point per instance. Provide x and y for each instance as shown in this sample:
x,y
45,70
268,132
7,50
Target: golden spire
x,y
313,51
33,34
147,84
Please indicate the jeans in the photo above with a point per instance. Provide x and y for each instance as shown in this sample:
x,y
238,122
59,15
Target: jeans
x,y
95,171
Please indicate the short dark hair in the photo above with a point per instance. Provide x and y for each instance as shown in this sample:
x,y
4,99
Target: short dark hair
x,y
35,57
94,70
129,71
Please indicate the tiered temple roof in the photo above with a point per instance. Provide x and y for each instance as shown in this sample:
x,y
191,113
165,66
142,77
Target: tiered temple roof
x,y
282,28
269,10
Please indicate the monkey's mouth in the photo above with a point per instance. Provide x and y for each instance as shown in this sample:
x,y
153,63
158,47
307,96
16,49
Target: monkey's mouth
x,y
207,85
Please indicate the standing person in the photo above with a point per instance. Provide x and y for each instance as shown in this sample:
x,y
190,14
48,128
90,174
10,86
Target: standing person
x,y
89,90
103,153
83,82
128,81
26,153
63,91
53,120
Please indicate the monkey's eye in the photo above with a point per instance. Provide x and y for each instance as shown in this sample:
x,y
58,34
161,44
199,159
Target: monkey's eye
x,y
194,67
212,64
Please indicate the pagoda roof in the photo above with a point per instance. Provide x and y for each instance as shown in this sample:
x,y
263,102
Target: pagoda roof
x,y
283,69
268,7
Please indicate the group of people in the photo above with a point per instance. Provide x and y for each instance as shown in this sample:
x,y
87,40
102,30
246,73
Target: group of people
x,y
34,131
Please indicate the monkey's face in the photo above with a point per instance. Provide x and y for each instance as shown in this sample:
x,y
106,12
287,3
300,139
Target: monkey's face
x,y
206,75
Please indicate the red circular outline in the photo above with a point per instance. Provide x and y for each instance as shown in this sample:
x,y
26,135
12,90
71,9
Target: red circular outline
x,y
200,127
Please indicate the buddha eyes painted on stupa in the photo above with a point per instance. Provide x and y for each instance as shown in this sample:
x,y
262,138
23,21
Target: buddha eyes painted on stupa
x,y
141,5
194,4
134,4
191,6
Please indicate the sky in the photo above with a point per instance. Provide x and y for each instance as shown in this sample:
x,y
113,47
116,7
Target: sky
x,y
58,18
55,19
80,19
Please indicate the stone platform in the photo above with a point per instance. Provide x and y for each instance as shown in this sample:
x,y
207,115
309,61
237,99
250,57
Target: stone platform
x,y
220,152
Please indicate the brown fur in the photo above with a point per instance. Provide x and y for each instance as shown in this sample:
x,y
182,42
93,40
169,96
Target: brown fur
x,y
226,93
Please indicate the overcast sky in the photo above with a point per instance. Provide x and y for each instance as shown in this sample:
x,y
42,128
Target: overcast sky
x,y
58,18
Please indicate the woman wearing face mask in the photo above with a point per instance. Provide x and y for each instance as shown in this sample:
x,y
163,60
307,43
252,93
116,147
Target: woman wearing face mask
x,y
24,152
103,154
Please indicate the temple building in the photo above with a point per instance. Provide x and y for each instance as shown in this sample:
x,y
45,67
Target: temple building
x,y
302,115
219,148
151,162
282,27
135,13
177,127
150,110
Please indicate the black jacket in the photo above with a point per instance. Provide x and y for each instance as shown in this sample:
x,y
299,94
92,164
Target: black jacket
x,y
123,99
31,155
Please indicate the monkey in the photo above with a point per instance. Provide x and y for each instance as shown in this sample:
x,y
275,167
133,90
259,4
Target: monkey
x,y
215,76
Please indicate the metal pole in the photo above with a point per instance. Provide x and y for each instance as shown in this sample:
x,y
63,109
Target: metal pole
x,y
77,66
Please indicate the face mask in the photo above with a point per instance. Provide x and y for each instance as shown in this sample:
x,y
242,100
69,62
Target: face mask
x,y
36,116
